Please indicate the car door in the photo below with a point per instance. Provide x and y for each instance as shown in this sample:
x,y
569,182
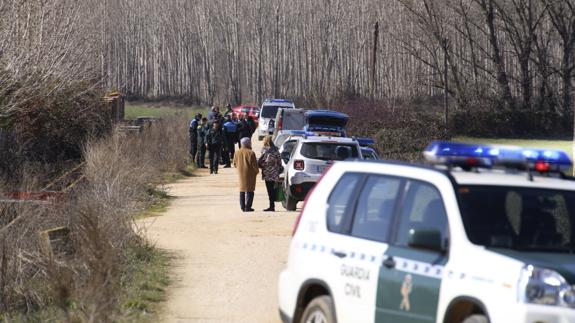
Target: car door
x,y
410,278
365,245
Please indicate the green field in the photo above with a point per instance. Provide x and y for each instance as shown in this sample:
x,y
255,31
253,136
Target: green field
x,y
565,145
159,110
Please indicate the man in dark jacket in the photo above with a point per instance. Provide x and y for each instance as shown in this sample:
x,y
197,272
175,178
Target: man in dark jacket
x,y
215,140
213,115
229,111
245,129
201,131
231,133
193,131
252,125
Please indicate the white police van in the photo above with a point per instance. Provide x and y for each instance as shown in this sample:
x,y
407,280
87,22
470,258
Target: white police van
x,y
485,235
268,111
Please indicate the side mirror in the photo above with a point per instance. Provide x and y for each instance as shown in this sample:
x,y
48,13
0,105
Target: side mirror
x,y
285,156
427,239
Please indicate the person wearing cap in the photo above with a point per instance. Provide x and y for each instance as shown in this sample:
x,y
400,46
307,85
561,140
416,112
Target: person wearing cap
x,y
229,111
246,163
193,131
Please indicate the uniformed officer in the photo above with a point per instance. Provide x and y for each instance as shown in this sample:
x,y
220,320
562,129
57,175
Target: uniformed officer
x,y
201,131
231,133
215,140
193,131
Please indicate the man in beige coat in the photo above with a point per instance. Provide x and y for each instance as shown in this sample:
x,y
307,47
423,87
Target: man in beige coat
x,y
247,165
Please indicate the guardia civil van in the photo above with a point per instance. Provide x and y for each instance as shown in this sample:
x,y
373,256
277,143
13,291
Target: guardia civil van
x,y
485,234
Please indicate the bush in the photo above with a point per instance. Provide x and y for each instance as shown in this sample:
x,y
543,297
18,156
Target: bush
x,y
84,286
401,133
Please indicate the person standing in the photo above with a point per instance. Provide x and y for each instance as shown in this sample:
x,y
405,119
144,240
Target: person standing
x,y
270,163
202,130
214,143
230,131
193,131
245,130
247,165
214,115
252,125
229,111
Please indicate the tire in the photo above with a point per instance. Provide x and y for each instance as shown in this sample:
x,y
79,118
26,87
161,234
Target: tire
x,y
319,310
476,318
289,203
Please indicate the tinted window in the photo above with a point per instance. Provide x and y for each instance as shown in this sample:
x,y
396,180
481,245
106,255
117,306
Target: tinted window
x,y
422,209
519,218
375,207
269,111
340,202
325,151
289,145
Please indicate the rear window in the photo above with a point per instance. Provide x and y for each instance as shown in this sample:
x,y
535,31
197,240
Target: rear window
x,y
327,121
325,151
270,111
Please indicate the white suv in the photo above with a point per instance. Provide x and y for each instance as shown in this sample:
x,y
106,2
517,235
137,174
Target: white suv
x,y
485,239
307,162
268,113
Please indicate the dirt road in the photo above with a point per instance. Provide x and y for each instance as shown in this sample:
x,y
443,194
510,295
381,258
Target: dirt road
x,y
227,261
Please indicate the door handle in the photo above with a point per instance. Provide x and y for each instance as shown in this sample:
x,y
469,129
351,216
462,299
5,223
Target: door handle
x,y
389,262
339,254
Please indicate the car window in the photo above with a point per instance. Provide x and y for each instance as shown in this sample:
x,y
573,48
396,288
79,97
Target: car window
x,y
375,207
289,145
526,219
422,209
269,111
326,151
340,203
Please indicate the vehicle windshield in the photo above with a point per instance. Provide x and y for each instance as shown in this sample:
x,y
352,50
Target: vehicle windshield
x,y
524,219
245,110
325,151
327,121
270,111
289,145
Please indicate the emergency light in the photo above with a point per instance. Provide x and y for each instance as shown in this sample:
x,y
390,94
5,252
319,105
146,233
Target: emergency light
x,y
487,156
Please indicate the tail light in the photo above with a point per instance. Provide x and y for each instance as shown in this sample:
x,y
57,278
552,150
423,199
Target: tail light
x,y
299,165
280,122
298,219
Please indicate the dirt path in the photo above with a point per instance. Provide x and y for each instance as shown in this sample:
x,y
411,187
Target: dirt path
x,y
227,261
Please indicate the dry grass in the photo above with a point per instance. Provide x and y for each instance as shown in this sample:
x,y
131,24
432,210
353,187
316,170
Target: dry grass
x,y
84,285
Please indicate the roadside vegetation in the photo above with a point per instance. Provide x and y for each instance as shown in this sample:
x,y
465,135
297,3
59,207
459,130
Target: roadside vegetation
x,y
162,110
106,271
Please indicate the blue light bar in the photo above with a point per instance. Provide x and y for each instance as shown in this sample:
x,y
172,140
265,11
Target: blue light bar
x,y
462,154
365,141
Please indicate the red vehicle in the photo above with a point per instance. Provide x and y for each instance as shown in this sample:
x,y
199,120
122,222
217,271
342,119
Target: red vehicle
x,y
253,112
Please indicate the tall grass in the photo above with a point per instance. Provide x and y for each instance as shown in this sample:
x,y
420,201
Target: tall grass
x,y
83,285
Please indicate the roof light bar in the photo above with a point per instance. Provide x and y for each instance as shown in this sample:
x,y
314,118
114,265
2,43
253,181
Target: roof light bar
x,y
487,156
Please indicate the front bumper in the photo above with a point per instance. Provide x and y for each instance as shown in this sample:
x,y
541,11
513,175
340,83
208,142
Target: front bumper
x,y
530,313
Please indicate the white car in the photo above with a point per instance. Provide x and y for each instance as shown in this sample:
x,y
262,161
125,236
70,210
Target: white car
x,y
490,237
268,113
306,163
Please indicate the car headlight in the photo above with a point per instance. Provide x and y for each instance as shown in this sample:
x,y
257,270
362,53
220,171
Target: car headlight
x,y
545,287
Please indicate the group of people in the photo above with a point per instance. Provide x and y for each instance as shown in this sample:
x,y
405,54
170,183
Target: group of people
x,y
248,168
218,135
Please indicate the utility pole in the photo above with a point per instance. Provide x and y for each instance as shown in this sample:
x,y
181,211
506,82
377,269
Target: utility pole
x,y
374,58
445,45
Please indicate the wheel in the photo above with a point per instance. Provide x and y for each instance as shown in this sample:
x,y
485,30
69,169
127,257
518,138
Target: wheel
x,y
319,310
476,318
260,138
289,202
